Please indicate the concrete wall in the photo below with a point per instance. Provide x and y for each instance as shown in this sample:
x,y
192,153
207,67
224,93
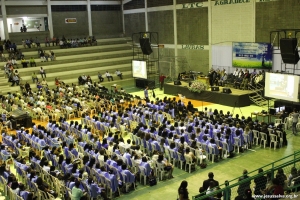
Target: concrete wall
x,y
18,37
192,26
198,60
163,23
134,23
107,24
23,10
276,15
70,30
233,22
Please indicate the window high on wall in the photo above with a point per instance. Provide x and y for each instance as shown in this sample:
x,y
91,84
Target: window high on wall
x,y
68,8
105,7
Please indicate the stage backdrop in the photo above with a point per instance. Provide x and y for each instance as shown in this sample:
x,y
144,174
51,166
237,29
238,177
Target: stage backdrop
x,y
252,55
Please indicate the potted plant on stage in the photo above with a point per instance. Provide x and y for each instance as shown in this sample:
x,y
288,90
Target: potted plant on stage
x,y
197,86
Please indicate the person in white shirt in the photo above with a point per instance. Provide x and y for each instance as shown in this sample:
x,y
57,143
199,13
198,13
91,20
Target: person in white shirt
x,y
84,78
38,109
111,147
236,72
128,144
46,166
69,109
119,74
108,76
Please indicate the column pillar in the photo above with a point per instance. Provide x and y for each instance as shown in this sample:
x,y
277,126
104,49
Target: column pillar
x,y
175,36
50,23
146,16
123,18
210,34
89,12
254,20
4,17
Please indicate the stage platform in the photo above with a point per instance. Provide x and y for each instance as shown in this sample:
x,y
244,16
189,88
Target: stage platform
x,y
238,98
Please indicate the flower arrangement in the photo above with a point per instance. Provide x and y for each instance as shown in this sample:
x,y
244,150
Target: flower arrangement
x,y
197,86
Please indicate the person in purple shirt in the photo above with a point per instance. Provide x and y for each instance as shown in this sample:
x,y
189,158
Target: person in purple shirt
x,y
147,166
113,161
130,177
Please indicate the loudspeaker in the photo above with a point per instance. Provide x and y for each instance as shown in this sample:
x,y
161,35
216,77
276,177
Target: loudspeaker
x,y
145,46
227,90
177,82
289,50
215,88
272,111
143,83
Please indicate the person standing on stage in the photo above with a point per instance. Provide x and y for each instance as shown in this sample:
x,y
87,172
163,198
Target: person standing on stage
x,y
162,80
295,115
146,94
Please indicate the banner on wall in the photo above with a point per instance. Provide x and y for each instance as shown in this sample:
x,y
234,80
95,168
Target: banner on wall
x,y
252,55
70,20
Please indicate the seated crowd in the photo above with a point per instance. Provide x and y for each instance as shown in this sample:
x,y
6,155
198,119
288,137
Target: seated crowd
x,y
239,79
165,132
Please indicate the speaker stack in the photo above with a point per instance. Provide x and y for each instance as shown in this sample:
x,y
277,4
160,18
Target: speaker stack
x,y
146,46
289,50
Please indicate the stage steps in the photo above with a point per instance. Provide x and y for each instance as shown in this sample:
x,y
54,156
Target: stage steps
x,y
257,97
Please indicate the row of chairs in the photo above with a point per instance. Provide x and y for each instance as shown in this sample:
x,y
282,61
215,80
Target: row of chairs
x,y
261,138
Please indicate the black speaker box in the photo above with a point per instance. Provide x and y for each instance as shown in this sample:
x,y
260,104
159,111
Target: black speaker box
x,y
143,83
227,90
215,88
177,82
272,111
146,46
289,50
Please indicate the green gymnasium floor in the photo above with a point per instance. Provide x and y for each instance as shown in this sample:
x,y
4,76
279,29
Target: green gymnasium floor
x,y
226,169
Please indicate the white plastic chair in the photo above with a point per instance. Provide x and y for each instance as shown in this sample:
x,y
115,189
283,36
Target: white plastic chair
x,y
225,149
273,139
212,153
143,174
280,134
277,122
180,159
199,155
189,163
255,136
263,138
237,144
161,173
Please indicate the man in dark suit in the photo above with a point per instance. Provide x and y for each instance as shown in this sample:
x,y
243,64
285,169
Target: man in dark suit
x,y
210,178
260,183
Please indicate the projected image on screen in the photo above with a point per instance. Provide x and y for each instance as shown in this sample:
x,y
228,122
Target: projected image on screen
x,y
282,86
252,55
139,69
